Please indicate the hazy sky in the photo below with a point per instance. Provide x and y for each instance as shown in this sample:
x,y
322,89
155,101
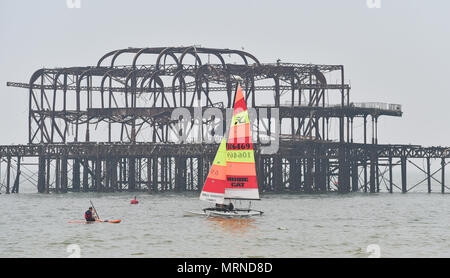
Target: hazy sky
x,y
398,53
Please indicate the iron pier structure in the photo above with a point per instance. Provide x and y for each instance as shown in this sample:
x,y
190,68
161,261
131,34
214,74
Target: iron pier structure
x,y
110,127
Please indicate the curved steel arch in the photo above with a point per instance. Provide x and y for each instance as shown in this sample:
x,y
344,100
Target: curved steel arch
x,y
193,50
151,50
155,50
199,78
117,53
243,55
194,53
153,76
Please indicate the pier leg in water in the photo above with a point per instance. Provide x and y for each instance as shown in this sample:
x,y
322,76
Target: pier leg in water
x,y
428,175
403,165
443,176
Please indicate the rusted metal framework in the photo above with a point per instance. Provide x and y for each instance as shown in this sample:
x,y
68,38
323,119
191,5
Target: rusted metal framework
x,y
109,127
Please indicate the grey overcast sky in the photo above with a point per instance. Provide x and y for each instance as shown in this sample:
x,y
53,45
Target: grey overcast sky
x,y
398,53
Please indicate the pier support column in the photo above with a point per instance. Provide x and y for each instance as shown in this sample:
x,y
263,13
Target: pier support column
x,y
113,175
377,175
15,188
98,175
443,175
47,179
294,177
355,177
92,174
86,175
163,168
64,180
106,166
180,174
320,171
277,173
321,177
76,175
155,174
122,173
57,175
428,175
308,184
403,166
191,173
373,166
365,174
8,174
344,171
131,174
390,175
327,174
149,174
41,175
259,163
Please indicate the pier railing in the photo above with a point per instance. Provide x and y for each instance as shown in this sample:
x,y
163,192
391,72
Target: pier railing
x,y
367,105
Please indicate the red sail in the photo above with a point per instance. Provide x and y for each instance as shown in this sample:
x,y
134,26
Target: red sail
x,y
214,188
241,182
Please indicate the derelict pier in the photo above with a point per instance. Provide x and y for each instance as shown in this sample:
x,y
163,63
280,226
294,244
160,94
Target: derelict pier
x,y
109,127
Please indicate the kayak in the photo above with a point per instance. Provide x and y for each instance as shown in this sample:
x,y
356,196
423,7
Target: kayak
x,y
96,221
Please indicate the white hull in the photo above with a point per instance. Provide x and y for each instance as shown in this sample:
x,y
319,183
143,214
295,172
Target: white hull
x,y
233,213
224,214
194,213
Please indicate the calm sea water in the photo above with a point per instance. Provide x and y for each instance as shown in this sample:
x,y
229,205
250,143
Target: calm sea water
x,y
329,225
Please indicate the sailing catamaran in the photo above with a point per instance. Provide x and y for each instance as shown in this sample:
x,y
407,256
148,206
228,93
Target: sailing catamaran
x,y
233,175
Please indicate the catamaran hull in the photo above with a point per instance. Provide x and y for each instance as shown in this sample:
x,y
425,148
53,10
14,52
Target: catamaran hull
x,y
233,214
194,213
223,214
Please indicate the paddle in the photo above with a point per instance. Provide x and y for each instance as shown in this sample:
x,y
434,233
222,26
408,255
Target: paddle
x,y
94,209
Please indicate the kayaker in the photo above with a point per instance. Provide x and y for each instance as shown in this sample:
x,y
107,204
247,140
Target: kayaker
x,y
89,216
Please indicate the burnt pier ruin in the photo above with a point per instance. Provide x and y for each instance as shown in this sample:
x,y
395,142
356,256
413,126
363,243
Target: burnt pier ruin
x,y
108,127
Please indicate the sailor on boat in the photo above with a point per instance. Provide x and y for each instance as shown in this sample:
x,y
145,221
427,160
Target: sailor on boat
x,y
230,206
223,207
220,207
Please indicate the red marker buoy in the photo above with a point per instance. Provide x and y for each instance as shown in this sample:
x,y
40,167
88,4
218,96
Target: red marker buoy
x,y
134,201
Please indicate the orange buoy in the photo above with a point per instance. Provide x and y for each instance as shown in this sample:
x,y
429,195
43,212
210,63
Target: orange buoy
x,y
134,201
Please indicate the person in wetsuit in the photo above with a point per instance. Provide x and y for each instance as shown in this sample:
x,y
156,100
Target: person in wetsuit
x,y
220,207
89,216
230,206
223,207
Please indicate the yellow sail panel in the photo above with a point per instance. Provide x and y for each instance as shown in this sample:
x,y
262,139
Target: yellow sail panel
x,y
214,187
241,156
240,118
220,158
